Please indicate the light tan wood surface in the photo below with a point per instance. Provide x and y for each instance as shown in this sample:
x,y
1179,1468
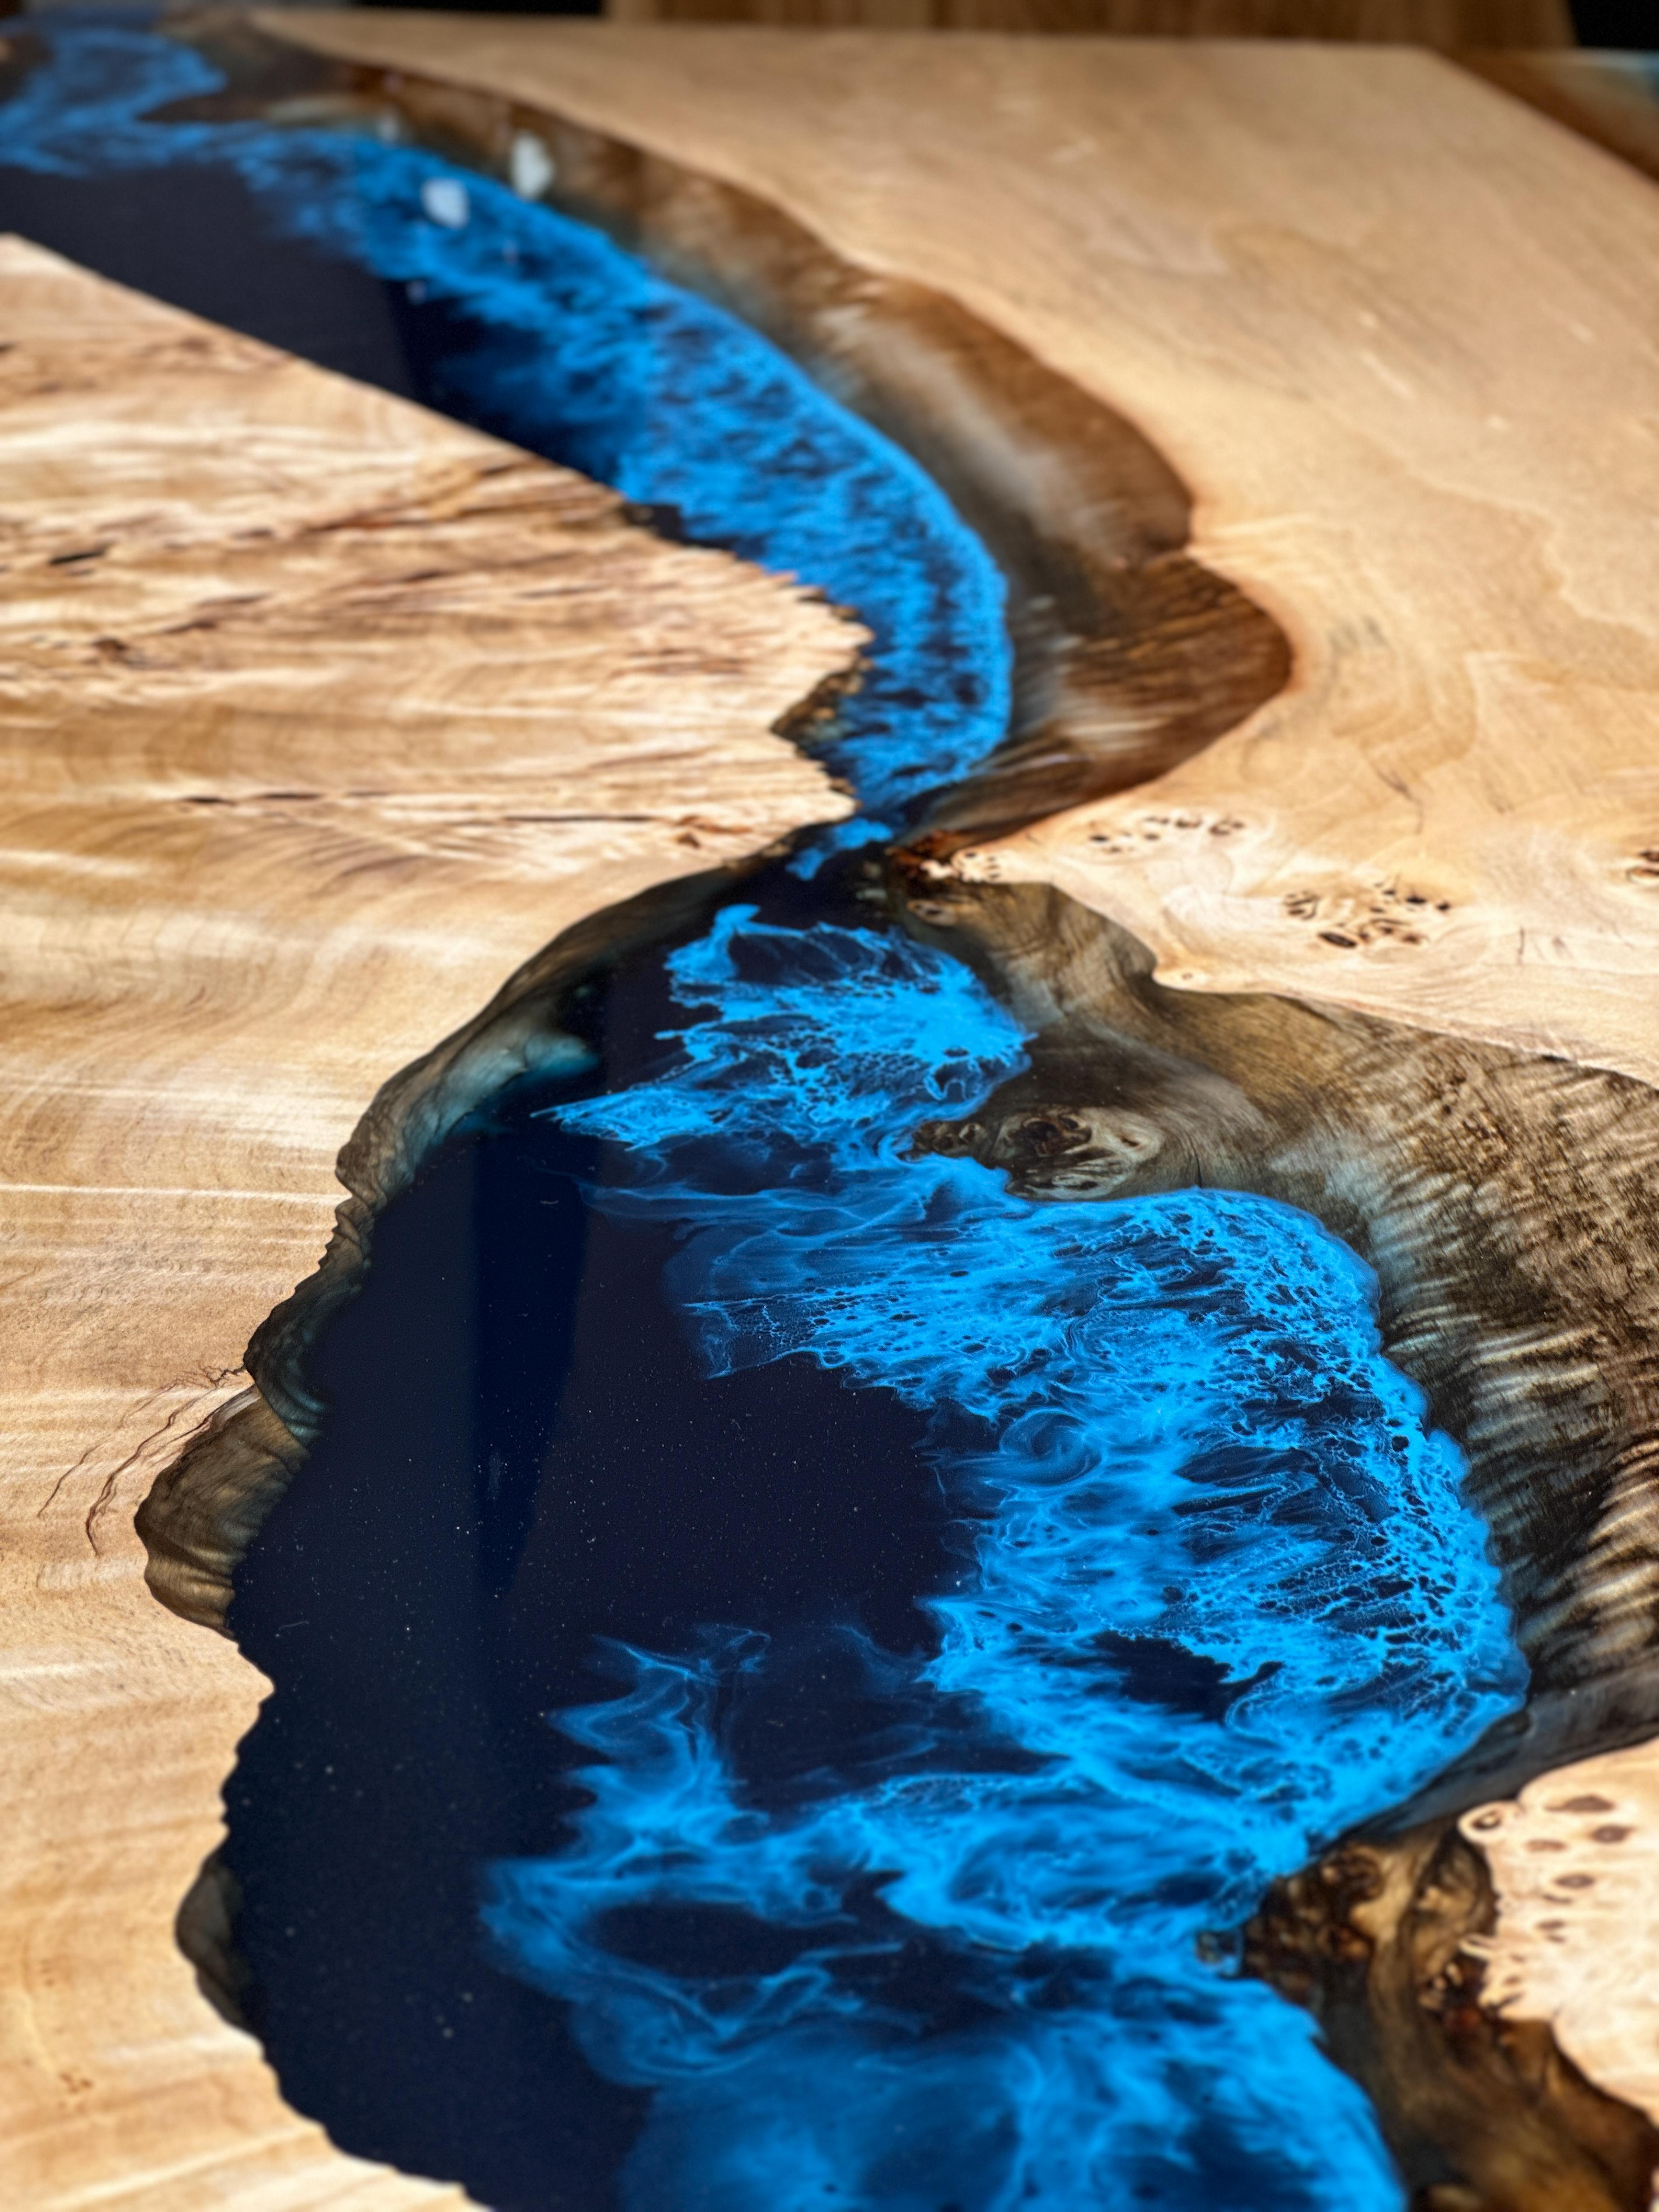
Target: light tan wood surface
x,y
321,714
1575,1859
1396,332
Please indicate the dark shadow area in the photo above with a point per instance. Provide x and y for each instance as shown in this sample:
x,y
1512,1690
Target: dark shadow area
x,y
1630,25
195,237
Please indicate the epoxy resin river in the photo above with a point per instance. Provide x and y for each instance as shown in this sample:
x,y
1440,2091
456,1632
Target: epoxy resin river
x,y
791,1660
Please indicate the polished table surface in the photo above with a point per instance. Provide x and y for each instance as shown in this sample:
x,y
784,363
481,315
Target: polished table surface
x,y
1371,348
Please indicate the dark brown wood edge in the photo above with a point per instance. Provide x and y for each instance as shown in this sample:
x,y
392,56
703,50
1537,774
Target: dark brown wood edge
x,y
1507,1201
1483,2113
1590,93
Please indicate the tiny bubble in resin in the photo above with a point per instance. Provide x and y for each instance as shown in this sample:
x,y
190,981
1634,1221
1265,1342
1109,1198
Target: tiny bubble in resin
x,y
446,200
529,168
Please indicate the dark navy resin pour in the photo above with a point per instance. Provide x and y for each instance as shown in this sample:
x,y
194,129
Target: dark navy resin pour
x,y
784,1650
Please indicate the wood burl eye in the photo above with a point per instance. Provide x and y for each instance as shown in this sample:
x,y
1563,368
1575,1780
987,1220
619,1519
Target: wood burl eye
x,y
1050,1132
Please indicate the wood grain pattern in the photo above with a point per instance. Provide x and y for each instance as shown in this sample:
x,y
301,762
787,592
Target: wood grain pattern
x,y
1386,1942
1506,1203
1129,655
1338,298
1343,295
322,715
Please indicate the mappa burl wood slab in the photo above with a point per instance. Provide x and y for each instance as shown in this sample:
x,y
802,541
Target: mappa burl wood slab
x,y
1306,400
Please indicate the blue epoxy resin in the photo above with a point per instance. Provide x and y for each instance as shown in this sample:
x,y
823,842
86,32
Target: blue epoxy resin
x,y
1222,1599
837,1914
567,345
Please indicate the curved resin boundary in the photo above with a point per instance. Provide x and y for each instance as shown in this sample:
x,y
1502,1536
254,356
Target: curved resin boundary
x,y
1539,1356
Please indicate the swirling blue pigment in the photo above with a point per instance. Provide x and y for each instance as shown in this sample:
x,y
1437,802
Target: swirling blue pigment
x,y
1223,1599
578,350
1218,1595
